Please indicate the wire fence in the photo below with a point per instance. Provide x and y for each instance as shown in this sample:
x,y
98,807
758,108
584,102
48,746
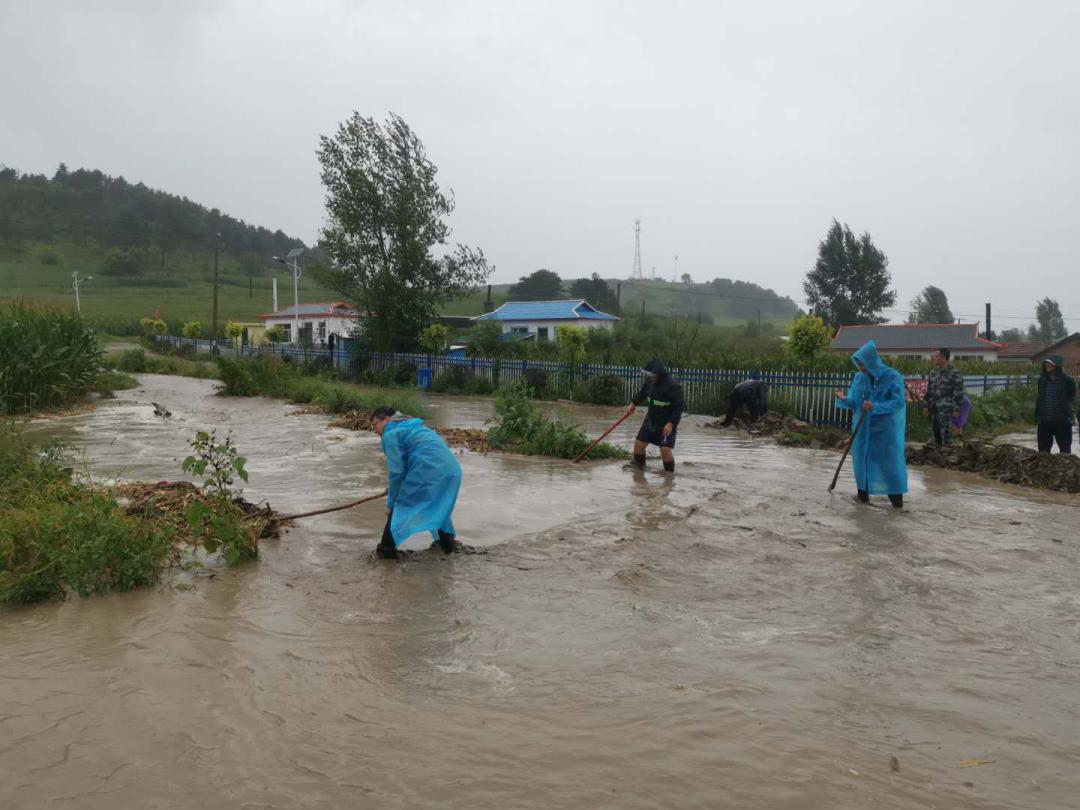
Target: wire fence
x,y
807,395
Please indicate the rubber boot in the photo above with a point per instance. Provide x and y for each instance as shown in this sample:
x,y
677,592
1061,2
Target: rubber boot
x,y
639,461
863,496
386,552
669,466
897,501
446,542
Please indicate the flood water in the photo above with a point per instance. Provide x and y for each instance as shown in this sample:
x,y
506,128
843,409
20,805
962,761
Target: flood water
x,y
732,637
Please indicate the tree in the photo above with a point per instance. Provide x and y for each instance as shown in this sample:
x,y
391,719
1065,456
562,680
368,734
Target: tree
x,y
1050,324
808,338
275,333
485,340
930,306
1010,336
687,279
234,332
850,280
543,285
596,291
191,329
385,216
434,338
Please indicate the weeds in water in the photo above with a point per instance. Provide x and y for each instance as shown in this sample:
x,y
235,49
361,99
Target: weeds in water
x,y
57,536
519,426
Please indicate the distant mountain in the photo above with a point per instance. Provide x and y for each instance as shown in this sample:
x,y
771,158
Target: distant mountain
x,y
722,301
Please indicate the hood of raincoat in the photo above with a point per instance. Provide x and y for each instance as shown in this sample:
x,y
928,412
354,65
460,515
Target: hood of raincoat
x,y
869,357
1055,359
654,366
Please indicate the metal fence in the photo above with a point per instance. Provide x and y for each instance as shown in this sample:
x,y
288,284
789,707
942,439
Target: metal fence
x,y
805,394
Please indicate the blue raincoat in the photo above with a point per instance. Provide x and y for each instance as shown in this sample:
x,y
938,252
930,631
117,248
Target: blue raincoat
x,y
877,455
424,479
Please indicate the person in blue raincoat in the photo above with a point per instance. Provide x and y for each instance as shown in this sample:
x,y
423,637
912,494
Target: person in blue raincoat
x,y
877,454
424,479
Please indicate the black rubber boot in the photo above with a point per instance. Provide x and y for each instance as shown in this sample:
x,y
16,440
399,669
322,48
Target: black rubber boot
x,y
639,460
446,542
669,466
386,552
863,496
897,501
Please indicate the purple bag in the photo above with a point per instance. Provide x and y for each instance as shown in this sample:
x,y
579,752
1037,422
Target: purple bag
x,y
965,412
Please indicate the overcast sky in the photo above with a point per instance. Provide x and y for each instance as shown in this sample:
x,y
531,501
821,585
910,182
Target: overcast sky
x,y
736,131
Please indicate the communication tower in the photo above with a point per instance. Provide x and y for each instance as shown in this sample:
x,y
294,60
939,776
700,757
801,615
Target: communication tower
x,y
637,250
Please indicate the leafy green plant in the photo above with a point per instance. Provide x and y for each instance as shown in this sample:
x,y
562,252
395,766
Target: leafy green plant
x,y
236,380
132,361
602,389
152,327
520,426
808,338
434,338
275,334
218,523
192,329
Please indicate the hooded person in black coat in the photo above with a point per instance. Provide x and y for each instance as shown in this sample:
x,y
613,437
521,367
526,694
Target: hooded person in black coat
x,y
665,399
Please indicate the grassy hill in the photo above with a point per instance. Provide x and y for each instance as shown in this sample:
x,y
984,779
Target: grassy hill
x,y
146,250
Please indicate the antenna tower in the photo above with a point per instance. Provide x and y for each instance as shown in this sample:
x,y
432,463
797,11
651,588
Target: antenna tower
x,y
637,251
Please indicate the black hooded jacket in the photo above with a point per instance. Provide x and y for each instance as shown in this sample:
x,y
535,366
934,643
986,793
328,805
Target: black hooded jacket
x,y
665,397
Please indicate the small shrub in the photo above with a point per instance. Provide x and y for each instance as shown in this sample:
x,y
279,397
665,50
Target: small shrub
x,y
219,523
460,380
236,379
132,361
537,380
601,390
49,258
192,329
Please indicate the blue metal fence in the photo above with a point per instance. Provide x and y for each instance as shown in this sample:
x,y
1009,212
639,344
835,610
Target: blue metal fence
x,y
807,395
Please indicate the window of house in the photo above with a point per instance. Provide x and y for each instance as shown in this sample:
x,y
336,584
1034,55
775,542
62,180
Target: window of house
x,y
519,330
288,332
322,330
542,333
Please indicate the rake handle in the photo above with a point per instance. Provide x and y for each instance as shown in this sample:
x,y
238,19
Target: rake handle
x,y
603,436
851,441
338,508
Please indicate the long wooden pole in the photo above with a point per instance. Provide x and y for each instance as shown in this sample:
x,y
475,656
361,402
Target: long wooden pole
x,y
603,436
851,441
338,508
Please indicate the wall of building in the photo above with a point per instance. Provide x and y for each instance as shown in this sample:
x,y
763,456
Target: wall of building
x,y
533,327
1070,356
334,326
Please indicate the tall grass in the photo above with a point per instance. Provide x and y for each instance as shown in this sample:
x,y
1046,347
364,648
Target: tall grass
x,y
273,378
48,357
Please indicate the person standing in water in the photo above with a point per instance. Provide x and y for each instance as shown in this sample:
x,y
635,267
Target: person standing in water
x,y
944,396
1054,406
423,482
661,424
877,452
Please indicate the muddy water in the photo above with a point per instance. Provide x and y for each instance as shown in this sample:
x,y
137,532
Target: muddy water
x,y
731,638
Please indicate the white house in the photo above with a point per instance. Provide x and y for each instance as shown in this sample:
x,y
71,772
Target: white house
x,y
317,321
538,319
917,341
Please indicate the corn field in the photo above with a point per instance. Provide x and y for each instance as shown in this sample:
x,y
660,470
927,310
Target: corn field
x,y
48,357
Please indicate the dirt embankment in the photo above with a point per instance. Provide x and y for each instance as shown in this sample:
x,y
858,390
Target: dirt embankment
x,y
1006,463
469,438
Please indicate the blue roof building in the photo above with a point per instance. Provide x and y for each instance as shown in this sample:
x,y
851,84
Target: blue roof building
x,y
538,319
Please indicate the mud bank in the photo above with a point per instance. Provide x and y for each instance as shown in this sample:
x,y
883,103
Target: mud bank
x,y
731,636
473,439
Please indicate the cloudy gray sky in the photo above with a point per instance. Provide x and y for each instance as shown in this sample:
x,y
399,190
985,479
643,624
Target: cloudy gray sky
x,y
736,131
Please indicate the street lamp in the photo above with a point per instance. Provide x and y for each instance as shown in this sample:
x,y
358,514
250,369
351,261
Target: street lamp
x,y
75,283
213,325
293,256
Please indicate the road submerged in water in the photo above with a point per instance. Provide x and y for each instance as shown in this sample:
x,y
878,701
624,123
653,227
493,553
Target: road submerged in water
x,y
732,636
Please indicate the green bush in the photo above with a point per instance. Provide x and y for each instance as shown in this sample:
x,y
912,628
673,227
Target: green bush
x,y
537,380
460,380
132,361
58,537
601,390
48,358
519,426
49,258
235,378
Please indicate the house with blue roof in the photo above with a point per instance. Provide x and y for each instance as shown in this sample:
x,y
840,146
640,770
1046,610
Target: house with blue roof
x,y
538,319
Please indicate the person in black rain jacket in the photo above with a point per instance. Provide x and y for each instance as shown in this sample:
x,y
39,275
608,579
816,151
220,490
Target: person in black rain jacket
x,y
665,399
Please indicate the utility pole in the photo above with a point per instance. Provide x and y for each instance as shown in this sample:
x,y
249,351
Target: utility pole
x,y
637,251
293,264
618,298
213,320
75,283
643,310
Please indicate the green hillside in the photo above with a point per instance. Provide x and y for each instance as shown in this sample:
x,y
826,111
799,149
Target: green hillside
x,y
146,250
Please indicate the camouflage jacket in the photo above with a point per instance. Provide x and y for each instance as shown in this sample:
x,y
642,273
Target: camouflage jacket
x,y
945,389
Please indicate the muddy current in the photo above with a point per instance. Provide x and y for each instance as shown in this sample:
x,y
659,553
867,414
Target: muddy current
x,y
731,637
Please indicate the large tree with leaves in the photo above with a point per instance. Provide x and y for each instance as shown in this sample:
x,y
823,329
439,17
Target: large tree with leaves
x,y
596,291
850,280
1050,325
386,218
930,306
542,285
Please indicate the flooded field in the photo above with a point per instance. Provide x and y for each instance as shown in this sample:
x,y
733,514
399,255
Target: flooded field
x,y
732,637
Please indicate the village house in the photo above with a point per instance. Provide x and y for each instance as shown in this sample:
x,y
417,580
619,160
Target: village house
x,y
1068,348
917,341
538,319
1021,351
317,322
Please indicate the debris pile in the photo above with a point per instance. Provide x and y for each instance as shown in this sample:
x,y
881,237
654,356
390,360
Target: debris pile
x,y
168,501
790,432
472,439
1003,462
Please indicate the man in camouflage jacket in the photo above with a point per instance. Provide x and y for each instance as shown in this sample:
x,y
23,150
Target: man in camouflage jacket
x,y
944,395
